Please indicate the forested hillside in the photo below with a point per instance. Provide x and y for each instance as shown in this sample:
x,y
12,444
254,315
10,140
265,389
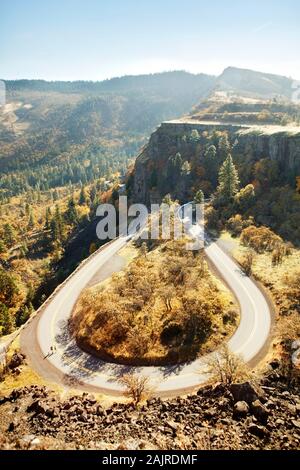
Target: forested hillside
x,y
54,133
65,148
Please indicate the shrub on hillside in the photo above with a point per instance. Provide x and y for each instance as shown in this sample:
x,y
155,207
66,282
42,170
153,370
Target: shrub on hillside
x,y
245,198
137,388
213,219
236,224
261,239
247,262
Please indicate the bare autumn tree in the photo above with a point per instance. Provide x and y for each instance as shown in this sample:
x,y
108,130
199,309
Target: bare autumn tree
x,y
144,249
247,262
167,293
226,367
280,251
137,387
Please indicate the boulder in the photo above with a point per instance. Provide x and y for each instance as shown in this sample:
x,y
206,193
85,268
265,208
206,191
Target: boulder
x,y
292,409
16,361
38,407
270,405
35,442
241,409
89,399
13,425
28,438
258,431
246,392
260,412
210,413
52,412
224,403
225,421
275,364
295,345
15,394
172,425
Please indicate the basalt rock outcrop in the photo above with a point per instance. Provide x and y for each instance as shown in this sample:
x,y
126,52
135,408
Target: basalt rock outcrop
x,y
250,143
213,418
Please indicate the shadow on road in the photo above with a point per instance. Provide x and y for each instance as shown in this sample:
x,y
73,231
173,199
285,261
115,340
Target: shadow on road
x,y
82,366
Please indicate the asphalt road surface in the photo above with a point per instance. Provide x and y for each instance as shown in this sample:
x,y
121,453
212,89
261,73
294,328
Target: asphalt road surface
x,y
70,366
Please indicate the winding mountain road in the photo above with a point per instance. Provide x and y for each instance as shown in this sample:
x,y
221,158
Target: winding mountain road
x,y
70,366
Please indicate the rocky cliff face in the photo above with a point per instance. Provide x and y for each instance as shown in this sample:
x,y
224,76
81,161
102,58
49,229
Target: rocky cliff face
x,y
251,143
280,146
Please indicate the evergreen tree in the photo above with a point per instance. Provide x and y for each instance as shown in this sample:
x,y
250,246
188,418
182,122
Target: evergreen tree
x,y
55,195
8,289
83,196
174,168
57,251
30,225
211,164
228,180
199,197
2,247
30,295
194,136
211,152
48,218
24,314
93,194
9,235
27,209
6,320
71,213
186,168
224,147
23,250
57,227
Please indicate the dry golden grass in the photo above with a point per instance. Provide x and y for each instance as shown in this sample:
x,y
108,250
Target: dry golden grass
x,y
282,281
263,268
27,376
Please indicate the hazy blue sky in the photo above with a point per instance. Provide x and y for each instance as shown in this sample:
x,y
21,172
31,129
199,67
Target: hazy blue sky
x,y
97,39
